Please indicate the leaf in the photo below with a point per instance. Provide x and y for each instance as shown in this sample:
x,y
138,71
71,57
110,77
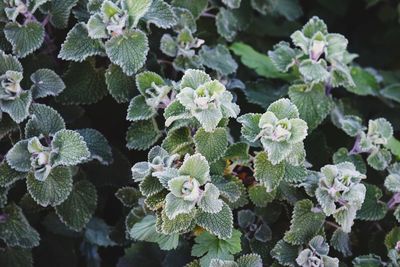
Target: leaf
x,y
365,82
196,7
119,85
161,14
7,126
392,237
372,209
18,157
181,224
391,92
342,155
394,146
226,23
142,134
15,231
84,84
54,190
136,9
218,59
78,45
232,3
266,173
238,151
16,257
9,62
128,196
128,50
44,121
250,260
313,104
24,38
59,12
285,253
71,148
228,189
212,145
46,82
305,224
259,196
210,201
178,141
219,224
77,210
8,176
341,242
210,247
98,145
314,71
18,109
250,128
295,174
370,260
139,110
283,56
379,160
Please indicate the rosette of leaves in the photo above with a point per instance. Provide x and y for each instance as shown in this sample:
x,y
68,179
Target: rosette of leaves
x,y
15,100
341,193
203,99
316,255
113,29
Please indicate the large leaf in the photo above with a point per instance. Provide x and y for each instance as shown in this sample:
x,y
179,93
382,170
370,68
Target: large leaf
x,y
219,224
142,134
212,145
119,85
59,12
161,14
44,121
18,109
373,209
8,176
266,173
46,82
218,58
98,145
70,148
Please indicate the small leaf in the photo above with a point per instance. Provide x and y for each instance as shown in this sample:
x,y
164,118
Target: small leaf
x,y
342,155
250,128
54,190
18,109
139,110
341,242
119,85
391,92
161,14
196,7
372,209
59,12
219,224
46,82
210,201
314,71
98,145
71,148
24,38
283,56
44,121
285,253
259,196
136,9
181,224
18,157
128,50
8,176
178,141
79,207
128,196
266,173
213,144
16,257
142,134
218,58
9,62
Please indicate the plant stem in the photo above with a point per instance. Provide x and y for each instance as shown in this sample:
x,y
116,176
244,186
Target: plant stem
x,y
394,201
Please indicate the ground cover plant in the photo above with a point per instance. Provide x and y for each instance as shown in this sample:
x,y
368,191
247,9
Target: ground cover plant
x,y
199,133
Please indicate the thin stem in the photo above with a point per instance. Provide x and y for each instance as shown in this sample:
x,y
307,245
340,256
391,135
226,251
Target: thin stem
x,y
208,15
332,224
356,148
394,201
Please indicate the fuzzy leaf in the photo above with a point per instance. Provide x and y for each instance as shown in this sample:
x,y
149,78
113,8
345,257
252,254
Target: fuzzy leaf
x,y
341,242
250,128
212,145
128,50
44,120
128,196
9,176
342,155
9,62
283,56
119,85
142,134
227,24
260,197
196,7
71,148
373,209
18,157
139,110
161,14
365,82
98,145
182,223
305,223
79,207
391,92
18,109
78,45
46,82
219,224
15,231
24,38
178,141
59,12
285,253
210,201
54,190
218,58
266,173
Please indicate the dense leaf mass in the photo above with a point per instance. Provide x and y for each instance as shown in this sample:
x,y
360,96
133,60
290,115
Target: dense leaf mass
x,y
199,133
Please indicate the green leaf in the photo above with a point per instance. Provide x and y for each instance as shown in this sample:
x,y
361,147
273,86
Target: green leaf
x,y
98,145
262,64
136,9
161,14
46,82
314,71
250,260
79,207
219,224
380,159
182,223
285,253
283,56
84,84
341,242
250,128
392,237
227,24
305,224
228,189
18,108
194,78
196,7
150,185
54,190
119,85
232,3
71,148
210,247
266,173
313,104
218,59
128,50
394,146
78,45
210,201
9,62
212,145
237,152
44,121
7,126
259,196
59,11
372,209
178,141
128,196
16,257
15,231
342,155
142,134
18,157
370,260
24,38
365,82
391,92
295,174
8,176
139,110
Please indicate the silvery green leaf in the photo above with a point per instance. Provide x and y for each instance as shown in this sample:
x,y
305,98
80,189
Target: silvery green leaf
x,y
228,189
181,224
196,7
139,110
46,82
119,85
168,45
196,166
17,108
232,3
313,104
345,217
250,260
136,9
250,128
259,196
340,241
305,224
59,11
18,157
175,206
218,58
284,108
219,224
178,141
194,78
146,79
9,62
336,47
373,209
301,41
166,175
8,176
128,50
380,159
128,196
277,151
44,120
150,185
212,145
342,155
350,124
78,45
222,263
70,148
79,207
365,83
185,19
96,28
227,24
16,231
98,145
54,190
392,181
24,38
283,56
142,134
161,14
367,260
285,253
210,201
267,173
314,71
391,92
340,76
313,26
